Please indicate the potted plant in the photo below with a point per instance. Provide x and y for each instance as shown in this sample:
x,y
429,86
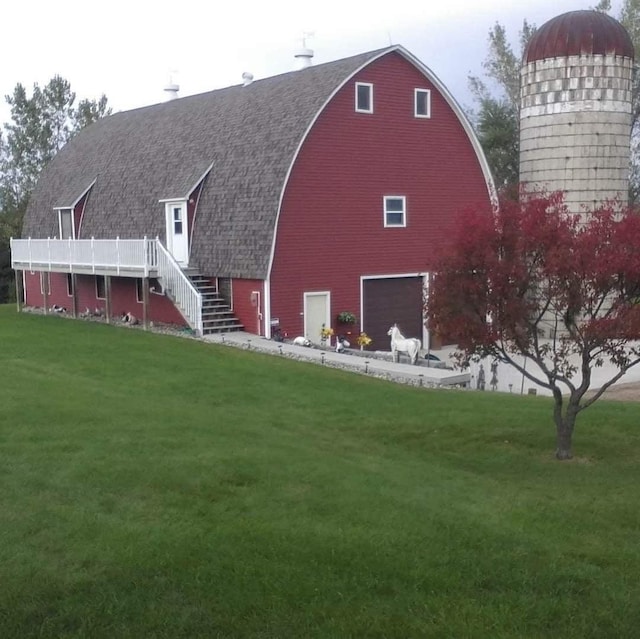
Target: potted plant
x,y
363,340
326,332
347,317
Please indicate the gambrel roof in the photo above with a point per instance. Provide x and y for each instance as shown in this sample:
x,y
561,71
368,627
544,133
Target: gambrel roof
x,y
248,137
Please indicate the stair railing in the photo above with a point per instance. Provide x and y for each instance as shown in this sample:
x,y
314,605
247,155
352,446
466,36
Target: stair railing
x,y
177,285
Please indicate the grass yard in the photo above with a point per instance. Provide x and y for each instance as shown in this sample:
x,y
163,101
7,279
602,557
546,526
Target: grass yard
x,y
153,486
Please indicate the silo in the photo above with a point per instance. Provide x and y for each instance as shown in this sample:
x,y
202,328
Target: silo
x,y
575,109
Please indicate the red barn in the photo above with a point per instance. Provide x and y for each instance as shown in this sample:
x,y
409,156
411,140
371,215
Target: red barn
x,y
285,201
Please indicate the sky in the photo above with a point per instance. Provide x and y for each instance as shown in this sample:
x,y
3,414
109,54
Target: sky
x,y
130,49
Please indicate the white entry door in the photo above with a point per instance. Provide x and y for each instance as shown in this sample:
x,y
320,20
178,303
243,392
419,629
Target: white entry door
x,y
177,232
317,312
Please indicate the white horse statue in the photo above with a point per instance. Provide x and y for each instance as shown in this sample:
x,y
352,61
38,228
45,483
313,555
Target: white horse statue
x,y
401,344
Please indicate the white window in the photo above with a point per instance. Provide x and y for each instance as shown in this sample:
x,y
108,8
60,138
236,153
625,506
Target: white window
x,y
364,97
395,210
65,222
422,103
69,284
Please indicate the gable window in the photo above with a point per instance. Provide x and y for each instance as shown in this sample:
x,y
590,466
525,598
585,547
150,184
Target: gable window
x,y
65,222
364,97
395,210
422,103
101,289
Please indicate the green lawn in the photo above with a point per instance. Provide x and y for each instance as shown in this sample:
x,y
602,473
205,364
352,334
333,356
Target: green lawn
x,y
154,486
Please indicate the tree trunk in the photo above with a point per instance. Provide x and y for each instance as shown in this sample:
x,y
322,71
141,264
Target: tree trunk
x,y
564,424
563,442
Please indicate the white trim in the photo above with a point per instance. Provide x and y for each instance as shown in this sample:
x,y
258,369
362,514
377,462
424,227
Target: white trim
x,y
74,204
475,143
185,198
257,295
451,101
385,212
169,209
417,91
73,223
327,321
195,206
357,86
45,275
266,301
172,200
201,179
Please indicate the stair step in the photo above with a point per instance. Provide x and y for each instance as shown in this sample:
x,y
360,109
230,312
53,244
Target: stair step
x,y
213,301
230,328
217,312
222,321
217,316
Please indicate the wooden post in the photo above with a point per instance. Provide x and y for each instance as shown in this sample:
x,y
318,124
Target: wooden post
x,y
44,281
74,293
145,303
107,301
19,290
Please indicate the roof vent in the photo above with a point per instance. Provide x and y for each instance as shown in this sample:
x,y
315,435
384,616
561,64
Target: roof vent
x,y
171,89
247,78
303,55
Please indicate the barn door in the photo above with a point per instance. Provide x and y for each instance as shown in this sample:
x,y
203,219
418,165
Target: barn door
x,y
317,313
392,300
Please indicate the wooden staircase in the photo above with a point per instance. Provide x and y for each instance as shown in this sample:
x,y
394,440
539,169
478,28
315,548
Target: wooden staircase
x,y
217,316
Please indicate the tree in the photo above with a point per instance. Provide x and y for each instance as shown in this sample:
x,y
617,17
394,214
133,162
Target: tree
x,y
497,120
498,100
529,283
41,124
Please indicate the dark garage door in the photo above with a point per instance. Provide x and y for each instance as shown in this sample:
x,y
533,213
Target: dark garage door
x,y
393,300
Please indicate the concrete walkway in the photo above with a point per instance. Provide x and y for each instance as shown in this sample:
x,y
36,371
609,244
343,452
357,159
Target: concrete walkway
x,y
509,379
421,375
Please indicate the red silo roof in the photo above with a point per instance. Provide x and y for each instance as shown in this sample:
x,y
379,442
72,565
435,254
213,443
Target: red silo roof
x,y
579,33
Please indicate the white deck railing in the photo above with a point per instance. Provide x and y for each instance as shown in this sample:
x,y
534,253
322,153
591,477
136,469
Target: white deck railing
x,y
135,258
87,255
179,287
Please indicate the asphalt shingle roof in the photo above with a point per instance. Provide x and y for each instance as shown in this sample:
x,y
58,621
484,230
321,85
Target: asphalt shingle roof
x,y
248,135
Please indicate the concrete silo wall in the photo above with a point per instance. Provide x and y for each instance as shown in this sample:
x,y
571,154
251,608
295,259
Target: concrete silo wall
x,y
575,126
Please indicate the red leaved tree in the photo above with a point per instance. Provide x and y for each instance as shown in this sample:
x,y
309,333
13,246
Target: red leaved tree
x,y
531,282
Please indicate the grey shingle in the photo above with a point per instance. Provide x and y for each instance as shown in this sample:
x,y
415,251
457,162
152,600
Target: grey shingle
x,y
248,134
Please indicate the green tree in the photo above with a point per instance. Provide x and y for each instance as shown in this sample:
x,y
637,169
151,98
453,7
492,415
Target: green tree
x,y
497,98
41,124
498,102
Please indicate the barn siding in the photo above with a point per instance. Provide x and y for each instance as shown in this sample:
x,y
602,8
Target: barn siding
x,y
330,229
243,307
123,297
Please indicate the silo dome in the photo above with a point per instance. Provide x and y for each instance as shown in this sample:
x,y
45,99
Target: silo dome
x,y
579,33
575,109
